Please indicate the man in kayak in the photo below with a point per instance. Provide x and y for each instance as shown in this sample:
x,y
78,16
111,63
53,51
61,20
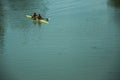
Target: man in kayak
x,y
39,17
34,16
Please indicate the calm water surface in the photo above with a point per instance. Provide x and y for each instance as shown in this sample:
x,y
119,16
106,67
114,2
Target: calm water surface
x,y
81,41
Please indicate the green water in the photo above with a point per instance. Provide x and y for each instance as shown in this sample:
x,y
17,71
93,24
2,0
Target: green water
x,y
81,41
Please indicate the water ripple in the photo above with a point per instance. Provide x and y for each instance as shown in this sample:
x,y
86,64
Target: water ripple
x,y
58,7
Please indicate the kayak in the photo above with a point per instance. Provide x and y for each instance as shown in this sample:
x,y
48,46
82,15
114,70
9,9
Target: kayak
x,y
37,20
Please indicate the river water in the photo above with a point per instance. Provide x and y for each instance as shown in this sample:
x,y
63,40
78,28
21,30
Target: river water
x,y
81,41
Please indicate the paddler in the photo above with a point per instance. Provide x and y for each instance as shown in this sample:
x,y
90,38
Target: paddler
x,y
39,16
34,16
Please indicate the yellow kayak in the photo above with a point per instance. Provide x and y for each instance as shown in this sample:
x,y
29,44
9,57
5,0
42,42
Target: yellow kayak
x,y
37,20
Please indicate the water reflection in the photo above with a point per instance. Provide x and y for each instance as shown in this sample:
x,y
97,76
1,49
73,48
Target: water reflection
x,y
2,29
115,9
114,3
117,18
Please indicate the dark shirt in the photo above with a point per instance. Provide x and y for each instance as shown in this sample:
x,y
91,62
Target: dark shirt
x,y
39,17
34,16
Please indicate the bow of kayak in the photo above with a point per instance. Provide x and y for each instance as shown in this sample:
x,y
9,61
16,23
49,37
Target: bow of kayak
x,y
37,20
